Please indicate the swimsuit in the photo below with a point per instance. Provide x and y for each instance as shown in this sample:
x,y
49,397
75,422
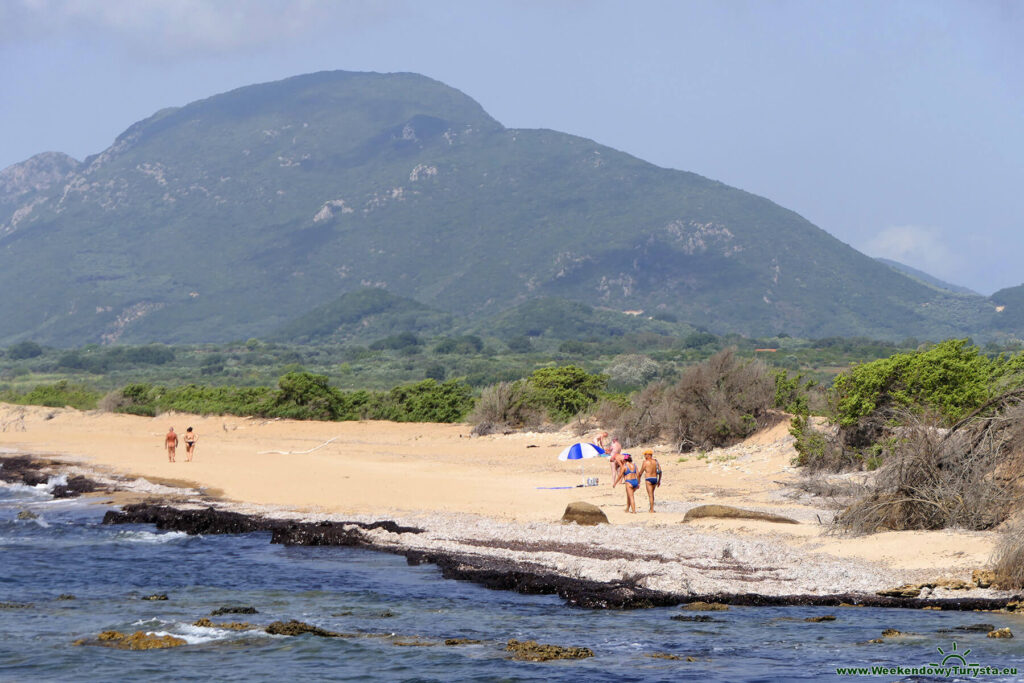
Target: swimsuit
x,y
653,480
634,482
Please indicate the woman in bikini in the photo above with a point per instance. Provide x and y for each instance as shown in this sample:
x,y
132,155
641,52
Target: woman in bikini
x,y
190,444
628,474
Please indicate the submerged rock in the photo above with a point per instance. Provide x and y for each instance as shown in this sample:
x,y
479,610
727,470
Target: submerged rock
x,y
584,514
27,514
665,655
155,596
297,628
730,512
532,651
462,641
981,628
230,625
1000,633
826,617
66,596
701,606
892,633
693,617
233,610
16,605
140,640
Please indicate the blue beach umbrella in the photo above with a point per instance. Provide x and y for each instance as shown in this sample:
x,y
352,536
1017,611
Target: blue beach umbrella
x,y
580,451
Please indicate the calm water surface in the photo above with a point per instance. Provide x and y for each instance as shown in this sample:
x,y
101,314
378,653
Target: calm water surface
x,y
108,569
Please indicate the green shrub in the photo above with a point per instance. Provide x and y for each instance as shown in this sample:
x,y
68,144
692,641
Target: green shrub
x,y
565,391
24,350
56,395
426,401
952,378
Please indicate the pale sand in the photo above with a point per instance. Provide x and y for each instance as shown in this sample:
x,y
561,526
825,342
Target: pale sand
x,y
457,486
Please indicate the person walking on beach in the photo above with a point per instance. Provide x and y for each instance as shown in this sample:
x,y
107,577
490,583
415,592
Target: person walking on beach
x,y
190,444
171,441
650,470
615,458
601,441
628,475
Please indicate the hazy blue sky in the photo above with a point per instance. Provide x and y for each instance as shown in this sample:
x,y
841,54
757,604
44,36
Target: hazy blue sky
x,y
896,126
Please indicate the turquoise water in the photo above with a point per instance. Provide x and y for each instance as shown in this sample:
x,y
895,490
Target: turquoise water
x,y
110,568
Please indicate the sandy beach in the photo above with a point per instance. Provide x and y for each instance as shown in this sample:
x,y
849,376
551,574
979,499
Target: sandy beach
x,y
503,496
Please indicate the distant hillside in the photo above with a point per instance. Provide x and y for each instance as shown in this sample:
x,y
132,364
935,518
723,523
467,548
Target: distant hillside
x,y
233,216
364,315
924,277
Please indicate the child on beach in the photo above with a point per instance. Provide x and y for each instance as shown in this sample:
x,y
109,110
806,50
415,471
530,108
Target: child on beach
x,y
650,470
628,474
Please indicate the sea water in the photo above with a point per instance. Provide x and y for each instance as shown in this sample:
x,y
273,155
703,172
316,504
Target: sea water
x,y
406,612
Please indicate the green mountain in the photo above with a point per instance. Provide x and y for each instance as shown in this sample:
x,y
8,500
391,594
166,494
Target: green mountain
x,y
924,277
234,216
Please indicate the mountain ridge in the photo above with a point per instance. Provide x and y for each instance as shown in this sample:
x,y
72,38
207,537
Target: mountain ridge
x,y
233,215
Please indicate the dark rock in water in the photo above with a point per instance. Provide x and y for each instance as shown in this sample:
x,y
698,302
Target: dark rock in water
x,y
333,533
200,521
693,617
386,614
212,521
135,641
297,628
730,512
701,606
24,470
892,633
532,651
66,596
76,486
233,610
155,596
16,605
815,620
665,655
583,513
462,641
27,514
981,628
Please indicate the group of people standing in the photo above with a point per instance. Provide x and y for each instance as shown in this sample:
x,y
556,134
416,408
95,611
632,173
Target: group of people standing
x,y
626,471
171,442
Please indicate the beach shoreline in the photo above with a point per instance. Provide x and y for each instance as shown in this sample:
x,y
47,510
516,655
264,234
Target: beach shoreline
x,y
514,541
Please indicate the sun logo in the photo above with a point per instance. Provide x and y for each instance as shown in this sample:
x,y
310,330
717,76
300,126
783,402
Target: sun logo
x,y
952,655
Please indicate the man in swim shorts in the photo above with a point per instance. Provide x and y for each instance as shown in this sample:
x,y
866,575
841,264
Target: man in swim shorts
x,y
190,444
615,458
650,470
171,441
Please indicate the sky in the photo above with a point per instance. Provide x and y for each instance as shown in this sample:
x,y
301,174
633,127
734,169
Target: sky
x,y
898,127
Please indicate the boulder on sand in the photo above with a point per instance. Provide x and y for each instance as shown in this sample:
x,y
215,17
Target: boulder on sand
x,y
730,512
583,513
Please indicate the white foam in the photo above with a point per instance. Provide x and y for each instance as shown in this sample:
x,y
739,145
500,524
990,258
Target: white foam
x,y
150,537
54,481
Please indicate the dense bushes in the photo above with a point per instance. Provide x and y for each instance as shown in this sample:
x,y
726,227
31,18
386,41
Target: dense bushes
x,y
55,395
301,396
714,403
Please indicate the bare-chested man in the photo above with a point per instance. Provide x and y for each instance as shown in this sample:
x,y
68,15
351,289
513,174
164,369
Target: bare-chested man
x,y
190,444
601,441
650,470
615,458
171,441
